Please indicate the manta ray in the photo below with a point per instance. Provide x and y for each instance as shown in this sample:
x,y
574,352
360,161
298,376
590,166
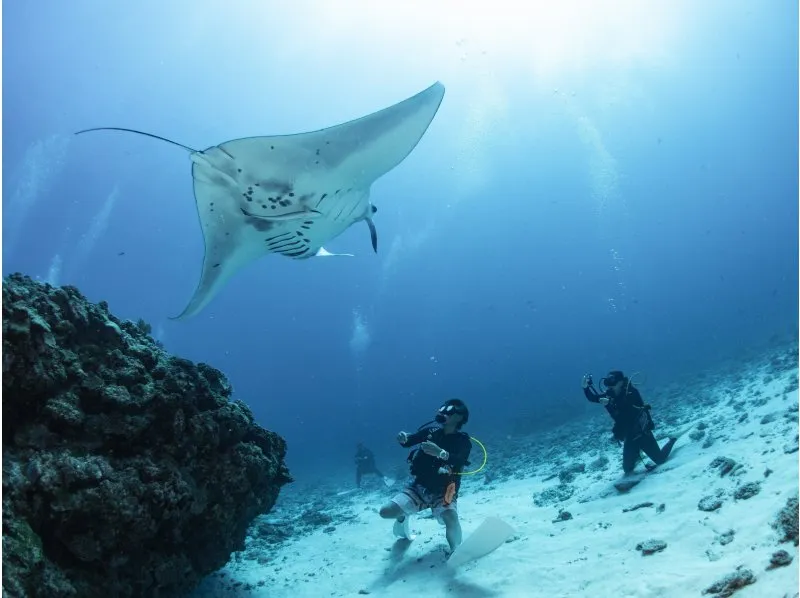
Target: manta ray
x,y
291,194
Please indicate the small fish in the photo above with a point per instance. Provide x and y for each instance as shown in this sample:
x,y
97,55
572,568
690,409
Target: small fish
x,y
121,253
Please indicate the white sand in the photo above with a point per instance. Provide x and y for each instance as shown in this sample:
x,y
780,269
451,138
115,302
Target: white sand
x,y
594,553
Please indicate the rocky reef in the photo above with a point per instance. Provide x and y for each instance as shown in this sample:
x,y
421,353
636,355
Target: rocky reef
x,y
126,471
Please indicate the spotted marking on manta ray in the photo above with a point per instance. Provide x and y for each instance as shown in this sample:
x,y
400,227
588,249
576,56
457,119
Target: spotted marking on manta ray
x,y
271,193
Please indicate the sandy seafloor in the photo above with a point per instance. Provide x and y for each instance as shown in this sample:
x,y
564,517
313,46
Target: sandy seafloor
x,y
328,540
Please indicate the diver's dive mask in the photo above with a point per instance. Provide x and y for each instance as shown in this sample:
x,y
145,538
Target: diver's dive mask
x,y
612,379
444,411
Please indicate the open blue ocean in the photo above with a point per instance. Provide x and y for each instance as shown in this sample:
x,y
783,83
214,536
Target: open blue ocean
x,y
604,186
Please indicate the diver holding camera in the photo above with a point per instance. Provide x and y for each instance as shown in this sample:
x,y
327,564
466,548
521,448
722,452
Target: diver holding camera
x,y
633,424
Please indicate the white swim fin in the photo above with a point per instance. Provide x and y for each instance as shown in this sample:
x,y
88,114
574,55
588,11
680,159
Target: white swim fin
x,y
490,535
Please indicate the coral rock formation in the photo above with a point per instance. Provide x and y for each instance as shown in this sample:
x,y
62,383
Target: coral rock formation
x,y
126,471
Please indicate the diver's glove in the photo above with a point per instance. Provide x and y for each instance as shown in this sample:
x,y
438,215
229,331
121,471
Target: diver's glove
x,y
587,381
434,450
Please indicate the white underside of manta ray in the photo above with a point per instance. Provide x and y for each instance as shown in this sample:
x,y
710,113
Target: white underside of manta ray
x,y
291,194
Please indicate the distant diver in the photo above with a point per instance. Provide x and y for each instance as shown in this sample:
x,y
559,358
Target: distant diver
x,y
365,464
436,467
633,424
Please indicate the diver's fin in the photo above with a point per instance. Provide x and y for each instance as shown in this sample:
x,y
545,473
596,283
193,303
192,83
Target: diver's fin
x,y
490,535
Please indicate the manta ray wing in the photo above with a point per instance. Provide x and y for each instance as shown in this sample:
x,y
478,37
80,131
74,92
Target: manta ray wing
x,y
291,194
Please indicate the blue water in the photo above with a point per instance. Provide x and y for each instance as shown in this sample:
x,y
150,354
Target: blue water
x,y
602,188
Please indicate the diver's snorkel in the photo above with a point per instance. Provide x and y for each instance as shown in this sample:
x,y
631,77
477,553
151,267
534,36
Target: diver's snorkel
x,y
606,383
603,385
441,417
613,378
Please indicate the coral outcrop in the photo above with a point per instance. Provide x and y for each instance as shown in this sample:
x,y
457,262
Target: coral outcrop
x,y
126,471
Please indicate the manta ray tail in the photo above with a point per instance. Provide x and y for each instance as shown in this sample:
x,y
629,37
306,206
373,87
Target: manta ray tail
x,y
186,147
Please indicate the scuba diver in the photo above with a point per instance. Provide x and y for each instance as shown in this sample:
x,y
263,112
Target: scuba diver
x,y
435,465
365,463
632,422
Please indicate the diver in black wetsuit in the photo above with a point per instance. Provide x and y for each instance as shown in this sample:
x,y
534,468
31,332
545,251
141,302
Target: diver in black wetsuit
x,y
436,469
365,463
632,422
